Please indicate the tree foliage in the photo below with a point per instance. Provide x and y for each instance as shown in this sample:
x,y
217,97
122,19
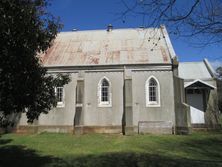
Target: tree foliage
x,y
219,73
26,30
219,86
202,18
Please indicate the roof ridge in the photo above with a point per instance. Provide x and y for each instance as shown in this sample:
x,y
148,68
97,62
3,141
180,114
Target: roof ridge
x,y
136,28
191,62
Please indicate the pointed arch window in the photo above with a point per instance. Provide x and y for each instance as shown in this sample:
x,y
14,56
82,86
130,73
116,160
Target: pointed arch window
x,y
152,92
104,92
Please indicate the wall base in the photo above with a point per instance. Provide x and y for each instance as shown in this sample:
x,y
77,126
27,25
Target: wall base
x,y
97,129
206,127
44,128
183,130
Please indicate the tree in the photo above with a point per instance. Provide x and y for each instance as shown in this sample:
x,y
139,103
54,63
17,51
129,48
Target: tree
x,y
200,18
26,30
219,73
219,85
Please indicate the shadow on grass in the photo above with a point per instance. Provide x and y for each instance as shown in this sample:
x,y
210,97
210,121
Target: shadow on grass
x,y
19,156
13,155
16,155
5,141
136,160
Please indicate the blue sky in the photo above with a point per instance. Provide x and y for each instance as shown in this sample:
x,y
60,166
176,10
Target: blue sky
x,y
97,14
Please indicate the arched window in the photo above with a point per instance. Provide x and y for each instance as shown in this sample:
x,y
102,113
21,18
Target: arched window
x,y
104,92
152,92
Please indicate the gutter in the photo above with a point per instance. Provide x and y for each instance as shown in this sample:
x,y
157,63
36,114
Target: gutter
x,y
99,67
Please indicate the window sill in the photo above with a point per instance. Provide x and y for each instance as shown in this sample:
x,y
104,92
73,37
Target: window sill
x,y
153,105
60,105
104,105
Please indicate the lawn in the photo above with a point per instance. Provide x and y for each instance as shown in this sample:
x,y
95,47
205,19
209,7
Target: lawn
x,y
47,149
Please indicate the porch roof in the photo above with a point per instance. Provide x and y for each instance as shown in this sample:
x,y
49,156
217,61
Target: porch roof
x,y
199,84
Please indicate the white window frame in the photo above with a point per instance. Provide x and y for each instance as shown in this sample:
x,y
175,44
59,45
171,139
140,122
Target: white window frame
x,y
60,103
99,94
148,102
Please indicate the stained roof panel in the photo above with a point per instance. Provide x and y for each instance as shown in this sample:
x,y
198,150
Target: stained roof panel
x,y
99,47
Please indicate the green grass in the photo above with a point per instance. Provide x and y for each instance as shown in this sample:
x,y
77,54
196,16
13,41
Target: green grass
x,y
198,149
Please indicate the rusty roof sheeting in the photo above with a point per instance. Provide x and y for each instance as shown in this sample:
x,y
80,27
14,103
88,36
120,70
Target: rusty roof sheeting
x,y
99,47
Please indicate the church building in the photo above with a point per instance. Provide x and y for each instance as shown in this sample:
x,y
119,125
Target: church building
x,y
125,81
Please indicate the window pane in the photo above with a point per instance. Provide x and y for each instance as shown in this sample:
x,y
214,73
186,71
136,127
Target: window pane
x,y
105,82
153,90
105,91
59,94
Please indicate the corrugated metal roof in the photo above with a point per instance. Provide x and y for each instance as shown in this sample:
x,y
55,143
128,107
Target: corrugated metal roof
x,y
193,70
99,47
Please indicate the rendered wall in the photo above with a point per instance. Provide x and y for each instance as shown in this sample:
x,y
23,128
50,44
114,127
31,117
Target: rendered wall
x,y
128,109
94,118
166,110
182,110
95,115
59,119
